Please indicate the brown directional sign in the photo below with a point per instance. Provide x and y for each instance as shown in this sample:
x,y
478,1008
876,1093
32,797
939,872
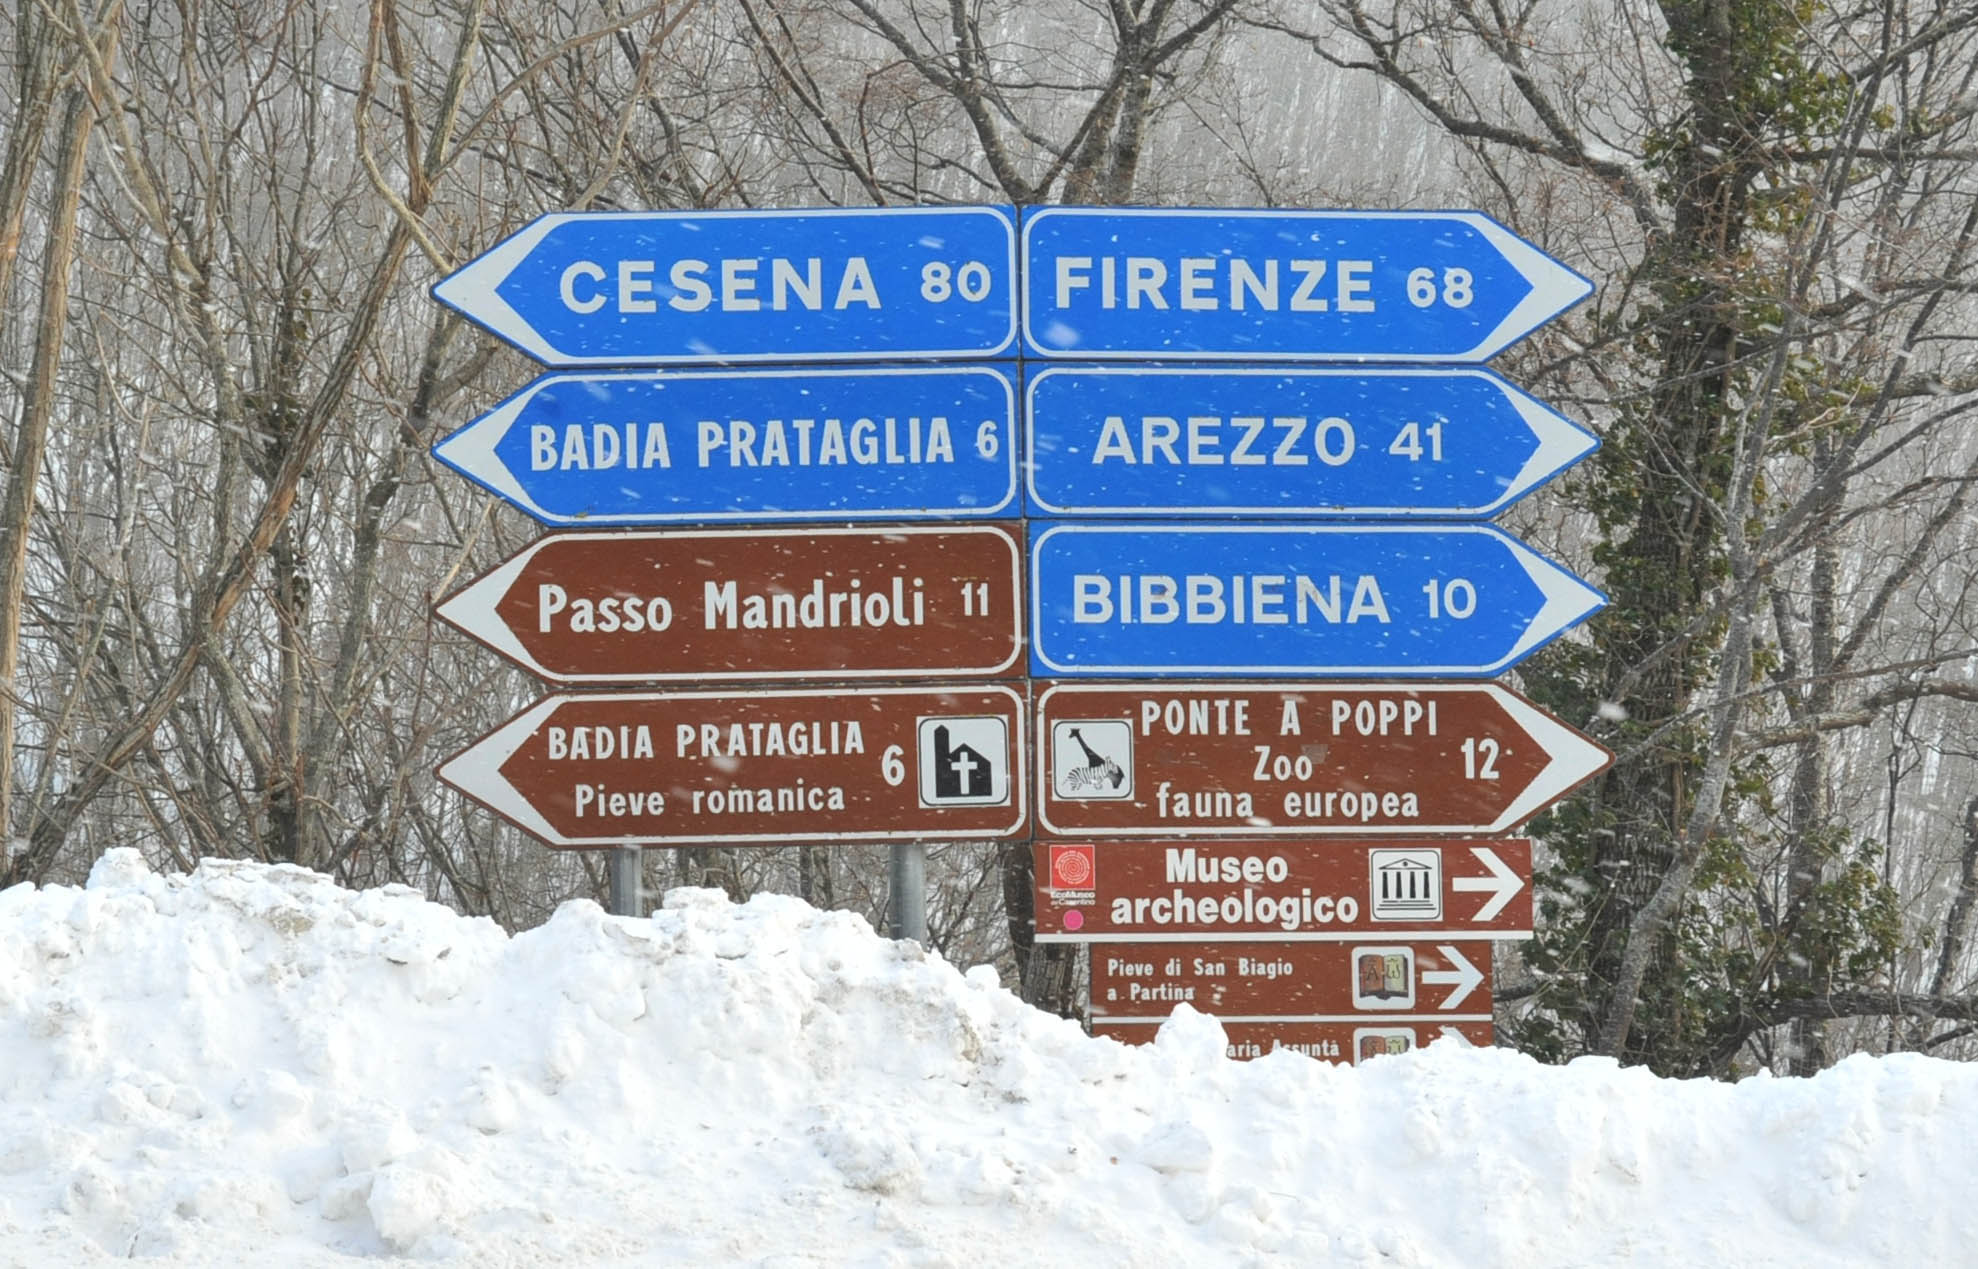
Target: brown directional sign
x,y
1298,759
909,601
1353,1040
756,767
1109,892
1291,980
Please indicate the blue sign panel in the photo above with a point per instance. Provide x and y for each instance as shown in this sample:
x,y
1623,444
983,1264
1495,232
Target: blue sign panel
x,y
704,287
1287,441
1283,285
1402,600
694,447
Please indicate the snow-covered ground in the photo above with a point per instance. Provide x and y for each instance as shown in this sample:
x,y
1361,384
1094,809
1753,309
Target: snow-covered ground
x,y
250,1066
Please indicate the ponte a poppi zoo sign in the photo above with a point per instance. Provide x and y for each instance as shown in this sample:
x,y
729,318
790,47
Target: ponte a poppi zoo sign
x,y
1244,760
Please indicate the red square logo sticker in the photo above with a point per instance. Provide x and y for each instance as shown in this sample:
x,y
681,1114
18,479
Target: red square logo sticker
x,y
1073,869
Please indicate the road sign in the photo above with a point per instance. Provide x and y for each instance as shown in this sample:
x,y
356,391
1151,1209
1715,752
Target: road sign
x,y
1281,892
1291,980
1344,1040
1287,441
1283,285
702,287
756,767
761,445
1299,760
685,605
1402,600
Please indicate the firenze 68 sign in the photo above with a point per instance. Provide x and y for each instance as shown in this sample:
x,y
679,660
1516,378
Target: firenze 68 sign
x,y
1152,283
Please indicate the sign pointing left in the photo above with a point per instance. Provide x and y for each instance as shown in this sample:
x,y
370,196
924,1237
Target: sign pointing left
x,y
741,446
697,288
698,605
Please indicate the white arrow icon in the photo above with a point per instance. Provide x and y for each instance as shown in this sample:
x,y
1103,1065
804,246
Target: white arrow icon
x,y
1466,977
1568,600
1555,288
1451,1033
1502,885
1572,757
1561,442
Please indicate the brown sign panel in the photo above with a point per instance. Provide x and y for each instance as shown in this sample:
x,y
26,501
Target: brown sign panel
x,y
1298,759
755,767
1352,1041
1107,892
1291,980
909,601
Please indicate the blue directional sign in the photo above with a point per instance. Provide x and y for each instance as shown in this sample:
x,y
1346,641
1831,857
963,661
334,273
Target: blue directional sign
x,y
1283,285
711,446
704,287
1404,600
1287,441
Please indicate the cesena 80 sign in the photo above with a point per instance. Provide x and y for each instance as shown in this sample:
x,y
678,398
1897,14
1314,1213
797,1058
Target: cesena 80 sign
x,y
660,288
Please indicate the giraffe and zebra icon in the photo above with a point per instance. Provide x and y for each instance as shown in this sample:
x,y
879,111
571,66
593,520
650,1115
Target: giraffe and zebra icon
x,y
1092,758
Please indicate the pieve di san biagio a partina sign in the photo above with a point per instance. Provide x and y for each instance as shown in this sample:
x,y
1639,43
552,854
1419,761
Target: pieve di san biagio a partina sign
x,y
1152,536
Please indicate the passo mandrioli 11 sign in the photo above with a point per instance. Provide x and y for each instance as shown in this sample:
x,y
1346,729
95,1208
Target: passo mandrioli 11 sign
x,y
711,605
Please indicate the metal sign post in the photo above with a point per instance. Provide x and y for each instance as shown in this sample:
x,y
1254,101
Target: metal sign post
x,y
626,881
908,892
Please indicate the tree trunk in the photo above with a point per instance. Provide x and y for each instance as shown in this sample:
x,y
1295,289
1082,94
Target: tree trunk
x,y
31,440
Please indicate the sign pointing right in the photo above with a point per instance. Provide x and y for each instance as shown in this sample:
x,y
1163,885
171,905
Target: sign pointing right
x,y
1298,285
1289,600
1264,894
1246,760
1502,885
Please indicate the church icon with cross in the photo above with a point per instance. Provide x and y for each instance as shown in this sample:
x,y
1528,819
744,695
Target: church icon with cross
x,y
964,761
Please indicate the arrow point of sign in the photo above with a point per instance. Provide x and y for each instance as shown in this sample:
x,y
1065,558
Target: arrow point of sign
x,y
472,610
1465,977
476,770
1567,601
1554,287
472,290
1572,757
1502,885
471,452
1561,442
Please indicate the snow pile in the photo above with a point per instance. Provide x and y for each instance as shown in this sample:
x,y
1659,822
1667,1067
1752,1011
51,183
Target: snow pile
x,y
250,1065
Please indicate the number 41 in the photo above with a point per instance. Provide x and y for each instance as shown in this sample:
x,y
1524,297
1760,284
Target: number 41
x,y
1409,444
